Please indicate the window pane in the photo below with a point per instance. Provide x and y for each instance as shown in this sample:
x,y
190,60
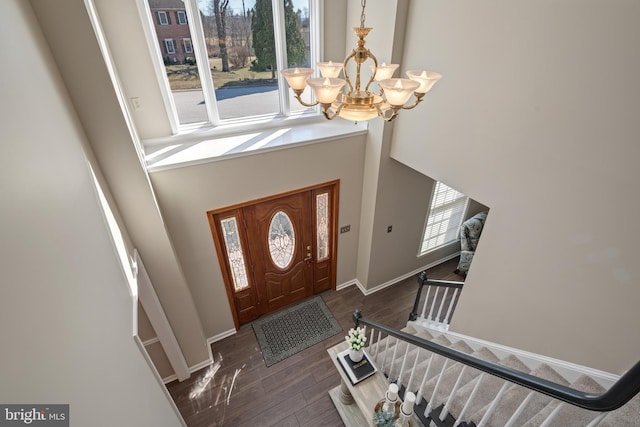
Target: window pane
x,y
179,61
445,217
322,225
298,36
235,255
241,50
282,240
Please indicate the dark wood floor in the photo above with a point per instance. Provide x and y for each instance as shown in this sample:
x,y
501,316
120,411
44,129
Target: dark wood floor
x,y
294,392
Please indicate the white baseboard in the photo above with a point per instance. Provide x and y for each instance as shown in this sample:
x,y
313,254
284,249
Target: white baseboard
x,y
220,336
397,279
206,362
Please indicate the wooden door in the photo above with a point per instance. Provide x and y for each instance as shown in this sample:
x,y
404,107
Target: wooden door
x,y
277,251
280,240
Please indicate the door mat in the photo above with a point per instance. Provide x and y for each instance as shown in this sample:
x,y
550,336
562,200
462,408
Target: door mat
x,y
290,330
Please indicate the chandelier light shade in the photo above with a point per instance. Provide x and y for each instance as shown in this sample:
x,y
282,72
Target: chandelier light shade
x,y
345,97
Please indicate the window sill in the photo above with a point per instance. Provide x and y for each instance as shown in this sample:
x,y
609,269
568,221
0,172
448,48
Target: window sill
x,y
204,146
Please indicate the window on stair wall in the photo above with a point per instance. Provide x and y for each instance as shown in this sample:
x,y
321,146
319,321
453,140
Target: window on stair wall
x,y
226,68
446,212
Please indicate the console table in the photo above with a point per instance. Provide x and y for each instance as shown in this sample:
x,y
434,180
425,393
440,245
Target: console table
x,y
356,403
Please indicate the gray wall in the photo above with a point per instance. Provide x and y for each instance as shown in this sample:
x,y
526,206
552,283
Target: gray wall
x,y
537,116
66,310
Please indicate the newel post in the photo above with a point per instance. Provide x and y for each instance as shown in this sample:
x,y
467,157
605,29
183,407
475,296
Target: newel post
x,y
356,317
421,281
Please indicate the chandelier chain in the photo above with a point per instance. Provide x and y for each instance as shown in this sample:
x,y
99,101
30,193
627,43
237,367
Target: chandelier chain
x,y
364,4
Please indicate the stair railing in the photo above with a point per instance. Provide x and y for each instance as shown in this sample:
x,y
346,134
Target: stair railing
x,y
439,293
623,390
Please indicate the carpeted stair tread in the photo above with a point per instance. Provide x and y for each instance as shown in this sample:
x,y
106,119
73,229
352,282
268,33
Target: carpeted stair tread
x,y
424,334
394,368
569,415
451,375
409,330
488,388
436,368
627,416
514,396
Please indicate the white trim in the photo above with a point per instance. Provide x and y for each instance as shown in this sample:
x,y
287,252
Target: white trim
x,y
150,341
169,43
221,336
406,276
346,284
160,380
158,66
207,148
159,321
184,16
166,17
570,371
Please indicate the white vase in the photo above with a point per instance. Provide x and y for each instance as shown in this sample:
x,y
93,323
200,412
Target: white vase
x,y
355,355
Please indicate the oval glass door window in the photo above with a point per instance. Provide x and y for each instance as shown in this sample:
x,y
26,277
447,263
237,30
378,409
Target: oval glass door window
x,y
282,240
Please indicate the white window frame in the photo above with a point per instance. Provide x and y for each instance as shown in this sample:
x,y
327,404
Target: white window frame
x,y
187,45
167,43
201,56
443,198
163,18
181,17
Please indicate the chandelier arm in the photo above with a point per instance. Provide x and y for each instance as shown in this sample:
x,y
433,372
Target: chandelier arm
x,y
419,97
383,115
298,92
375,69
344,69
326,109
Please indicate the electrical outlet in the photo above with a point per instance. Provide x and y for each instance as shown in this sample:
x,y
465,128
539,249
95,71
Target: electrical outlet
x,y
345,229
389,228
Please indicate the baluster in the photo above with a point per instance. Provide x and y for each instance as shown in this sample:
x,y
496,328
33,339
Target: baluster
x,y
433,304
598,419
424,379
466,406
435,389
393,359
453,300
445,409
493,405
377,343
518,411
426,299
404,362
386,353
446,291
371,340
413,370
552,415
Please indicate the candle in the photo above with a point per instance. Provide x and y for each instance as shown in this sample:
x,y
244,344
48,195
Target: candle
x,y
392,393
407,405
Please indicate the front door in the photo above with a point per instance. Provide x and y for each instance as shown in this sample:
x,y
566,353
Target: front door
x,y
276,251
280,240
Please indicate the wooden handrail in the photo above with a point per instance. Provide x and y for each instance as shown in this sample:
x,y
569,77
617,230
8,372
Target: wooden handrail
x,y
623,390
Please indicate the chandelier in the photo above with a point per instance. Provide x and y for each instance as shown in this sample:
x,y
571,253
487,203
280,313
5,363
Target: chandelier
x,y
353,103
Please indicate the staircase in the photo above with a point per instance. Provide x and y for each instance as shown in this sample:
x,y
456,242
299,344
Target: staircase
x,y
458,393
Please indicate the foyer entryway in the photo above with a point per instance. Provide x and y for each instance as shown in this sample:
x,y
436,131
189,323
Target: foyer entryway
x,y
278,250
